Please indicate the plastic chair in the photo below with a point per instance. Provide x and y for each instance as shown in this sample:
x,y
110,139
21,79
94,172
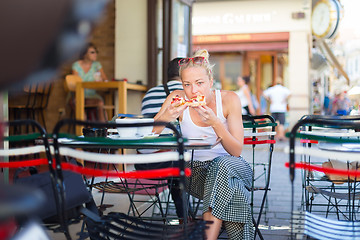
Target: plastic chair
x,y
260,131
32,153
35,100
70,87
36,154
317,227
338,203
157,190
116,225
42,95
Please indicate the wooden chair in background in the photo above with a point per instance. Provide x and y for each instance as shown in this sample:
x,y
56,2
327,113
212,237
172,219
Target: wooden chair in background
x,y
35,101
91,110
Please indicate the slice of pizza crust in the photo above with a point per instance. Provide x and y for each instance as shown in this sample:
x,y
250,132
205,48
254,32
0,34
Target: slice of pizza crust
x,y
193,102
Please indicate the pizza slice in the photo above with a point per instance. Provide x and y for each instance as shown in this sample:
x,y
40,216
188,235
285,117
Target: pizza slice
x,y
197,101
193,102
178,100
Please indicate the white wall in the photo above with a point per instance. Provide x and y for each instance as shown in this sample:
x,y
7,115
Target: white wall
x,y
131,46
299,75
230,17
131,40
261,16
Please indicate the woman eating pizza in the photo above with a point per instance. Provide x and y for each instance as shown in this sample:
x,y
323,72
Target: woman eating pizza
x,y
220,176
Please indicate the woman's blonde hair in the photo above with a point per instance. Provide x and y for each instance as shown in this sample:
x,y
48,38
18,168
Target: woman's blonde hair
x,y
205,64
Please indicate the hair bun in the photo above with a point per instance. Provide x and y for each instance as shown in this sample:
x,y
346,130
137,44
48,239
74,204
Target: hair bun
x,y
202,53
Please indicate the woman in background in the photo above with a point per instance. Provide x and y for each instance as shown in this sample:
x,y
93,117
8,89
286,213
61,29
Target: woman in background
x,y
90,70
245,95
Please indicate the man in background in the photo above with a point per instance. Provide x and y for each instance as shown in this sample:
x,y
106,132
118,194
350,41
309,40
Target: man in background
x,y
155,97
151,104
278,97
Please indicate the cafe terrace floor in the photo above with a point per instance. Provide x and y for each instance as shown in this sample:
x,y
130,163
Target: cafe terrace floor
x,y
275,222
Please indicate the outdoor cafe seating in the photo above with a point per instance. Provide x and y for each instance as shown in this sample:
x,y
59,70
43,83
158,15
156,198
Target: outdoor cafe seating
x,y
63,149
328,157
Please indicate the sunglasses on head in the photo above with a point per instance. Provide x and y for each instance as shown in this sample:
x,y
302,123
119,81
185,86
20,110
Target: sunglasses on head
x,y
194,60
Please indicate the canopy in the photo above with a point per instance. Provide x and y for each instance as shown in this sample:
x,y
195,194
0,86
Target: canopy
x,y
354,91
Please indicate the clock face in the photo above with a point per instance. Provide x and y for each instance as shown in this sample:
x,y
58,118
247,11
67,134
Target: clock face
x,y
325,18
321,19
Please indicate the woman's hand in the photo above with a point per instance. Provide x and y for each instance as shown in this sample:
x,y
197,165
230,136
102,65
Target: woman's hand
x,y
168,113
207,115
173,111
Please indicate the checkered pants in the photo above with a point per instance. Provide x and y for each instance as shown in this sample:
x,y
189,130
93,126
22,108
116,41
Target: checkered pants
x,y
223,184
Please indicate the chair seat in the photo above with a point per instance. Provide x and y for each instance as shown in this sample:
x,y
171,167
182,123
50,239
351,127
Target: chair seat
x,y
138,186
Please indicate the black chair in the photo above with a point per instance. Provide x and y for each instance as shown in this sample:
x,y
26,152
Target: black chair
x,y
327,200
260,131
117,225
22,109
41,101
36,154
35,98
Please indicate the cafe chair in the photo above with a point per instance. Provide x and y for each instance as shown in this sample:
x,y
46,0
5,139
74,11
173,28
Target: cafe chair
x,y
116,225
259,133
318,227
326,138
32,167
34,102
67,145
324,141
159,191
42,95
70,88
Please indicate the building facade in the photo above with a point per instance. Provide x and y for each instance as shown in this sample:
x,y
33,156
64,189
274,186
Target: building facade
x,y
260,38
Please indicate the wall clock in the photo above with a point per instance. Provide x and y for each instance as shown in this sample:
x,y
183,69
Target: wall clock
x,y
325,18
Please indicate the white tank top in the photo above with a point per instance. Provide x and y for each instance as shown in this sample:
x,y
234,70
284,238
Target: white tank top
x,y
190,130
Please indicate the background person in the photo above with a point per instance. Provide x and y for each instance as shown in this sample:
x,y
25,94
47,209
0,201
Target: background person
x,y
341,105
244,94
151,104
278,97
90,70
155,97
220,176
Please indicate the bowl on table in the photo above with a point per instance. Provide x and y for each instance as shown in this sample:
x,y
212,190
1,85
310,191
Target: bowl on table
x,y
146,130
127,132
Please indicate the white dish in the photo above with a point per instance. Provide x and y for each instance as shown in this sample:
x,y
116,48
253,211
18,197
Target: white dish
x,y
118,137
151,135
351,145
64,140
128,132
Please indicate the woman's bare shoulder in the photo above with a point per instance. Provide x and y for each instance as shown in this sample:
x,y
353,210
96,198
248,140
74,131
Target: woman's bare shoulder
x,y
229,96
230,101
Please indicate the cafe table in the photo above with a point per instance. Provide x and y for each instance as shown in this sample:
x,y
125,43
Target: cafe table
x,y
121,87
114,142
150,142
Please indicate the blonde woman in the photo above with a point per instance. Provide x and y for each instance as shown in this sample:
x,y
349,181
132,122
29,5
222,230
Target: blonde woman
x,y
220,176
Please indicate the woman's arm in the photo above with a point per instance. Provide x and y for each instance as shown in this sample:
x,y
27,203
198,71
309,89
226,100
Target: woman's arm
x,y
248,97
103,75
232,139
169,112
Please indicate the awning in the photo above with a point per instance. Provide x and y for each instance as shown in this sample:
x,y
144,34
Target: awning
x,y
354,92
331,58
238,47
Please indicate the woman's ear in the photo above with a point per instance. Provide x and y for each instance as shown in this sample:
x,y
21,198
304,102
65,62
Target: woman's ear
x,y
211,82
